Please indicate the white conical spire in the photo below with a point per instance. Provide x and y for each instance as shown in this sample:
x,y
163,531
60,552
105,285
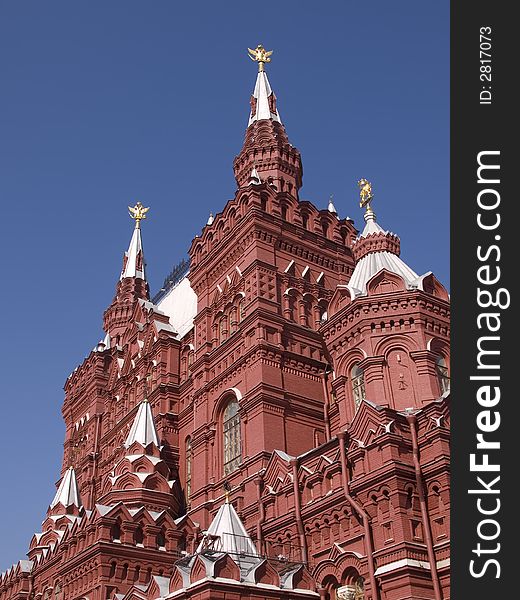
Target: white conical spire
x,y
134,264
143,428
262,107
211,218
68,493
228,533
331,208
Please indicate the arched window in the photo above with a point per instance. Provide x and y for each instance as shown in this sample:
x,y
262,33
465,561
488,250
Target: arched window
x,y
325,228
57,592
222,328
443,374
283,210
188,470
352,591
305,220
231,436
357,377
161,539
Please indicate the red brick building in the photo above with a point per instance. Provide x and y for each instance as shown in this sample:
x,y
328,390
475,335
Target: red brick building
x,y
273,424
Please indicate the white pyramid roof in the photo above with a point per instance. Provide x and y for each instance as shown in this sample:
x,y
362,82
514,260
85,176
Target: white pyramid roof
x,y
143,428
229,533
67,493
136,245
262,92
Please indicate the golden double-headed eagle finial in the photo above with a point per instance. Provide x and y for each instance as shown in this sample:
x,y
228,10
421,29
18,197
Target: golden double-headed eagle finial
x,y
138,213
365,194
260,55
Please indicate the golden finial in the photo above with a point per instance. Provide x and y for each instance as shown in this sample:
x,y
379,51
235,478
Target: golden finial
x,y
260,55
138,212
227,491
366,196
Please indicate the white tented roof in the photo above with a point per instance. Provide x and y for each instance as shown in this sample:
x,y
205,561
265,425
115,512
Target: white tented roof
x,y
136,246
67,493
229,534
262,92
143,428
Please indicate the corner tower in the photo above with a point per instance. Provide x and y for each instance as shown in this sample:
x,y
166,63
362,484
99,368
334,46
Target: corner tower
x,y
388,328
132,285
267,156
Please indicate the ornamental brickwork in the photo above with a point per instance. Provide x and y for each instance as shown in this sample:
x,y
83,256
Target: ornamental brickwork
x,y
287,438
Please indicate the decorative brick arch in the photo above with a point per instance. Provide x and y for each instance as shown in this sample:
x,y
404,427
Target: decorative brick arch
x,y
336,568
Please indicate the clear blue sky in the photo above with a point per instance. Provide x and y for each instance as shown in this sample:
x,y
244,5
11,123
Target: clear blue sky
x,y
106,103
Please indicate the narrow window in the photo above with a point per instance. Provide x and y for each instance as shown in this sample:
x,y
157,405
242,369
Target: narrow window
x,y
116,532
443,374
358,384
231,437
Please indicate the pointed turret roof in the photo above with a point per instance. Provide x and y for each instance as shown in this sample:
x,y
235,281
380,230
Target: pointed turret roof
x,y
263,101
134,257
281,165
67,493
143,428
229,533
331,208
132,285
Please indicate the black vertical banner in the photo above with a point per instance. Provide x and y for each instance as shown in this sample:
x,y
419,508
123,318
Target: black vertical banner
x,y
485,244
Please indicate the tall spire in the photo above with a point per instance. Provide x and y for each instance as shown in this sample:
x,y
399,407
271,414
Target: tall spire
x,y
143,428
263,100
67,493
134,258
266,146
132,285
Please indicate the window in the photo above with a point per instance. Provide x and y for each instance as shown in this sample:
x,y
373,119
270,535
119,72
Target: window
x,y
161,539
325,228
442,374
351,591
139,536
188,470
222,329
231,436
358,384
115,532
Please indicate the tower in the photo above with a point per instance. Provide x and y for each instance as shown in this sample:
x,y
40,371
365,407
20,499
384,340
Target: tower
x,y
274,423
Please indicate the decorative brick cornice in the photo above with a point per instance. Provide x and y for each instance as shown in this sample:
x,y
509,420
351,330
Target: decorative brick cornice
x,y
376,242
